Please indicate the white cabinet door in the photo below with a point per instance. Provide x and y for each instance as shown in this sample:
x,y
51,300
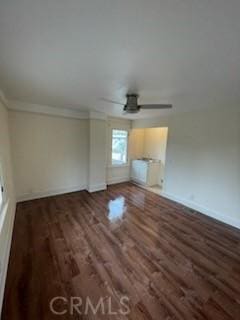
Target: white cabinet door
x,y
143,172
153,173
139,171
134,170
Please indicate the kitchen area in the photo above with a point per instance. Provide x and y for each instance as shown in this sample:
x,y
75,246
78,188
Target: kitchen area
x,y
148,157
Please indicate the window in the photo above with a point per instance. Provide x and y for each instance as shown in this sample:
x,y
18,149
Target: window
x,y
119,147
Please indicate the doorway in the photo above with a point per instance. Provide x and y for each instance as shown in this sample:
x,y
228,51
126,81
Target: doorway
x,y
148,155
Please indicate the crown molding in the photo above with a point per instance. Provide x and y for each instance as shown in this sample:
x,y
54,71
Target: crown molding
x,y
97,115
21,106
42,109
61,112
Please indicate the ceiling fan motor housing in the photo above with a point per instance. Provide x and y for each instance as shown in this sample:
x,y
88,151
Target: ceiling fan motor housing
x,y
132,103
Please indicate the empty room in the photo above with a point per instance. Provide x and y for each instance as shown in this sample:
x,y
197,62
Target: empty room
x,y
119,159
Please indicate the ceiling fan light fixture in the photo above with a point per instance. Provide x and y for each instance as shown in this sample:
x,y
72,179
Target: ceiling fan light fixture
x,y
131,108
132,99
132,105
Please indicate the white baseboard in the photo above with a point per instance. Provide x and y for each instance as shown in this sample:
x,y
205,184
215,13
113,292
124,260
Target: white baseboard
x,y
97,187
6,249
118,180
49,193
206,211
138,182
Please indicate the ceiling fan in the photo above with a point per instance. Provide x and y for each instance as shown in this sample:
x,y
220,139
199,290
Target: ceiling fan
x,y
132,105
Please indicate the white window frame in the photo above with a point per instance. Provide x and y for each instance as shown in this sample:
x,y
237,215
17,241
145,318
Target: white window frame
x,y
125,164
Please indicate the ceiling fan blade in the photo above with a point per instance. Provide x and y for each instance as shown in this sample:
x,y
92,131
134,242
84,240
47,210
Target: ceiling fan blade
x,y
156,106
112,101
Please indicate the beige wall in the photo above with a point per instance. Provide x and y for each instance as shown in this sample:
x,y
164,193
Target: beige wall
x,y
136,143
203,161
97,154
155,143
8,210
150,143
53,154
50,154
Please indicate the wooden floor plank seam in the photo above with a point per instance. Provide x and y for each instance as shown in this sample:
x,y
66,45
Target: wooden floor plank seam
x,y
170,261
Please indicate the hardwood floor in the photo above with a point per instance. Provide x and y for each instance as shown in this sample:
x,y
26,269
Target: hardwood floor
x,y
170,262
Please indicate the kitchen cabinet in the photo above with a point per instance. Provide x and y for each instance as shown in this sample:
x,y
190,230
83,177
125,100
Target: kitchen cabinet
x,y
146,172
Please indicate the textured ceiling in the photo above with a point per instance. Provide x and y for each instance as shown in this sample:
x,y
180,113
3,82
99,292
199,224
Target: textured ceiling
x,y
72,53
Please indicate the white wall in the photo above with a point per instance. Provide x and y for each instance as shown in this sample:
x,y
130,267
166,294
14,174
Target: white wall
x,y
50,154
117,174
97,154
203,161
55,154
202,168
8,211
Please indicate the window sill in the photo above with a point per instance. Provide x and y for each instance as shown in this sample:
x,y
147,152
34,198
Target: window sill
x,y
118,165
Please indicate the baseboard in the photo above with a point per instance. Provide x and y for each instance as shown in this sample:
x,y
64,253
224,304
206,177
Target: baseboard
x,y
206,211
138,182
118,180
6,251
97,187
49,193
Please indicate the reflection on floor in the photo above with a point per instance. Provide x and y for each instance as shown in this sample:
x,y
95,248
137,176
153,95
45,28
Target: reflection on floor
x,y
120,254
116,209
155,189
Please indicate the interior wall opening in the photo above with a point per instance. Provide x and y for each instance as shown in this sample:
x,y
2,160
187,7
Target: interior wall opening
x,y
148,157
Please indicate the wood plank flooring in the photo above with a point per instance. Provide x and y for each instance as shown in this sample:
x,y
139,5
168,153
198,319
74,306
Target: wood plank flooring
x,y
169,261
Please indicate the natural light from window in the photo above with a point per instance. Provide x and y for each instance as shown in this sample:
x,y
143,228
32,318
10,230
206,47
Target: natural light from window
x,y
119,147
